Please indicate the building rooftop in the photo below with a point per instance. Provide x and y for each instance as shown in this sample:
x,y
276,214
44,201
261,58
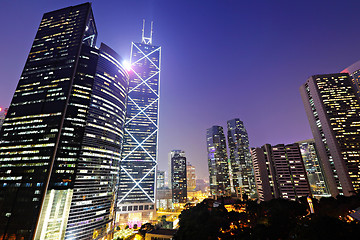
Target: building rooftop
x,y
352,68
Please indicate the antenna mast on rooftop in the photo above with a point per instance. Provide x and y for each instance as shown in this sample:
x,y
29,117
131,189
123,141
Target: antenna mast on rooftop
x,y
147,40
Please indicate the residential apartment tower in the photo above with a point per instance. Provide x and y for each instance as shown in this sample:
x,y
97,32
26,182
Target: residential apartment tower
x,y
280,172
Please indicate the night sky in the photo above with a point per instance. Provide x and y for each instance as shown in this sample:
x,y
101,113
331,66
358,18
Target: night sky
x,y
221,59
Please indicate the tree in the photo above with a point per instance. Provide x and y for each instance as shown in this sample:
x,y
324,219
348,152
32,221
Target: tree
x,y
202,222
282,216
325,227
145,228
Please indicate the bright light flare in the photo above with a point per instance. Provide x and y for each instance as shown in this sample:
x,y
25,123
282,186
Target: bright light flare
x,y
127,65
0,109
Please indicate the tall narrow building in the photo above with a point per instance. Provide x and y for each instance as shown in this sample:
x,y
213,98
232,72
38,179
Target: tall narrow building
x,y
218,162
60,143
178,175
240,159
280,172
313,168
333,111
136,197
191,177
264,172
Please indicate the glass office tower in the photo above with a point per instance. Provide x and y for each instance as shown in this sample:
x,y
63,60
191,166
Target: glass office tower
x,y
178,183
333,111
313,168
240,159
60,143
136,197
218,162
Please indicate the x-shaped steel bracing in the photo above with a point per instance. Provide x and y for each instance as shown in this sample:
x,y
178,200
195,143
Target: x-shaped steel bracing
x,y
139,144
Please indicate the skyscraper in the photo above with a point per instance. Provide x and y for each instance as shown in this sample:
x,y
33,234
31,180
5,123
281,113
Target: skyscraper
x,y
191,177
313,168
290,171
280,172
139,156
178,175
240,158
354,71
333,111
2,116
218,162
60,143
264,171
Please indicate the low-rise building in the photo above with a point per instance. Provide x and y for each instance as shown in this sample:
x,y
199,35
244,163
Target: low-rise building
x,y
160,234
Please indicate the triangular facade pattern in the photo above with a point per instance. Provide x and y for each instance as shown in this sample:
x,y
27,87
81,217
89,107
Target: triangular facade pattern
x,y
139,153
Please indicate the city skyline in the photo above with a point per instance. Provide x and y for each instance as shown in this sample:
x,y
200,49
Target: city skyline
x,y
265,52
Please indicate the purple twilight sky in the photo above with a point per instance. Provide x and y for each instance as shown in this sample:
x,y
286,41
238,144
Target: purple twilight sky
x,y
221,59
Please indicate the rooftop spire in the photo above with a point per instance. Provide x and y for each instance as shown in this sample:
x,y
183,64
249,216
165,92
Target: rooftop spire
x,y
147,40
